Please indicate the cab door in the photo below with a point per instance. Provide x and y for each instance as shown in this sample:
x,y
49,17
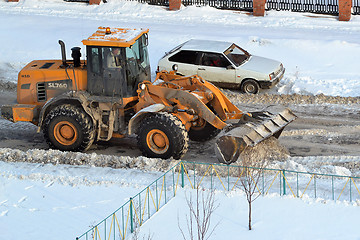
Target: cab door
x,y
216,68
106,74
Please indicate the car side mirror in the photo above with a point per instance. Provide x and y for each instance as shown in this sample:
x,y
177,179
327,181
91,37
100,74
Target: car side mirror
x,y
230,67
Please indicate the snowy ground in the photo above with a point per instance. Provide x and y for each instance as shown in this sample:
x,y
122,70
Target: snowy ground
x,y
61,202
321,55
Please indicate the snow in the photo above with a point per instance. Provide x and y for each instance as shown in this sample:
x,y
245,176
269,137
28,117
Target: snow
x,y
320,53
115,35
273,218
39,200
62,201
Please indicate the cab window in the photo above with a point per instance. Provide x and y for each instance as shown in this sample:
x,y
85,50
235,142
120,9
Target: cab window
x,y
139,52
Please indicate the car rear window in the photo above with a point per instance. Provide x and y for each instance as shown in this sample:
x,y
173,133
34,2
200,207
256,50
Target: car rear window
x,y
184,56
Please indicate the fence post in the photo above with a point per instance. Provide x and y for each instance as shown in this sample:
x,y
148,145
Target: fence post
x,y
94,2
284,183
259,8
131,217
345,10
182,175
350,190
174,5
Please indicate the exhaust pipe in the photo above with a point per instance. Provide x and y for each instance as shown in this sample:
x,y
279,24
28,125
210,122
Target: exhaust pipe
x,y
63,54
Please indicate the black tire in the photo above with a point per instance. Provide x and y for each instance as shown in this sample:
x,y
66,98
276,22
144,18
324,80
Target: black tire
x,y
162,135
250,86
68,128
203,133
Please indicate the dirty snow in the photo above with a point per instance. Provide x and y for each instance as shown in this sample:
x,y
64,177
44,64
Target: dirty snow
x,y
48,194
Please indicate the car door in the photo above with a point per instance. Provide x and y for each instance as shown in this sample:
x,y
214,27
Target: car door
x,y
215,67
186,61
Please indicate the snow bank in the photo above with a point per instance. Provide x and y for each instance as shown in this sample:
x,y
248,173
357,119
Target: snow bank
x,y
337,165
76,158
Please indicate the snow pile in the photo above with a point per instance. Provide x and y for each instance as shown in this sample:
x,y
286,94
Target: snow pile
x,y
270,150
337,165
290,99
7,86
76,158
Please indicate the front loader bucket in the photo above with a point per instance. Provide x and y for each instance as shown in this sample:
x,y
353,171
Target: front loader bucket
x,y
250,131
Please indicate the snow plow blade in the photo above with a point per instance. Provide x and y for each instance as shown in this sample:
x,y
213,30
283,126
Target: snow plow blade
x,y
251,130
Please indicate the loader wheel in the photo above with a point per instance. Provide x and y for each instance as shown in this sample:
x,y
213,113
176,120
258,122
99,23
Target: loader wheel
x,y
68,128
162,135
250,86
204,132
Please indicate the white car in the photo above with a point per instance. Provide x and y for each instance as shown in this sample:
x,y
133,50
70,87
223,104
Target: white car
x,y
223,63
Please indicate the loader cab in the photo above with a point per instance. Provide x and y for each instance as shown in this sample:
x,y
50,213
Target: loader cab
x,y
117,61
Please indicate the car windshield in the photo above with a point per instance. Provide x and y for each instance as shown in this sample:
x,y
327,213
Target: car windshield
x,y
237,55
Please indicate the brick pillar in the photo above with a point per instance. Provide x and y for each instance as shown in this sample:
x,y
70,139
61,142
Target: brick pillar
x,y
174,5
344,10
93,2
259,7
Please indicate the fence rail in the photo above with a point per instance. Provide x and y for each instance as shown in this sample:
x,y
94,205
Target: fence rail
x,y
312,6
138,209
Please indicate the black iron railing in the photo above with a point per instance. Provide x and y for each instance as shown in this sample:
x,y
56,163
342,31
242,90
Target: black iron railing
x,y
312,6
245,5
356,7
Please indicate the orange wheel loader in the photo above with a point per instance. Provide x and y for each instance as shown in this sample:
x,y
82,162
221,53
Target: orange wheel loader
x,y
110,94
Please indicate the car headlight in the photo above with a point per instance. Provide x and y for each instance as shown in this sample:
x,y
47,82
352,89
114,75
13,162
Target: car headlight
x,y
175,67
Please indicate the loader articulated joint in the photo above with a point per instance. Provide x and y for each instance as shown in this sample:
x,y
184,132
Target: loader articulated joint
x,y
188,111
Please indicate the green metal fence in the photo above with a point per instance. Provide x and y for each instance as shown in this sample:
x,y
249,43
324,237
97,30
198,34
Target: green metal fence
x,y
138,209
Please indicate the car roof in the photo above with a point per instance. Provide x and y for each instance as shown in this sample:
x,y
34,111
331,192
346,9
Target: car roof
x,y
206,45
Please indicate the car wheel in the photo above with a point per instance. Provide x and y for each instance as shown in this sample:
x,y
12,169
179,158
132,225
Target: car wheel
x,y
250,86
